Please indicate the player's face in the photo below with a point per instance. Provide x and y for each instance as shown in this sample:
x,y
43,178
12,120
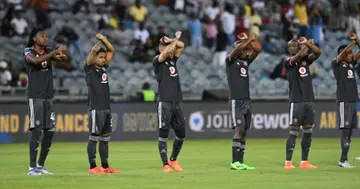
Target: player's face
x,y
101,59
41,39
348,57
294,47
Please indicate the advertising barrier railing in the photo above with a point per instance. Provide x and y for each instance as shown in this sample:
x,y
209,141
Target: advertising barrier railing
x,y
138,121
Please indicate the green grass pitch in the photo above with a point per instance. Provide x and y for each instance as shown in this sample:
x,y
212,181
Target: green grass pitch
x,y
206,165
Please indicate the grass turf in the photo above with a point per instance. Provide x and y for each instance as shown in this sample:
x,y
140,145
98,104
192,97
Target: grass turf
x,y
206,165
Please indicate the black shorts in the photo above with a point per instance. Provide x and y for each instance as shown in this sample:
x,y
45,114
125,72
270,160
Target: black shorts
x,y
240,113
347,115
100,122
170,115
41,114
302,113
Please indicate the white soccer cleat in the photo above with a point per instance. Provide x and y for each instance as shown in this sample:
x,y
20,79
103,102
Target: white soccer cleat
x,y
345,164
34,171
44,171
357,158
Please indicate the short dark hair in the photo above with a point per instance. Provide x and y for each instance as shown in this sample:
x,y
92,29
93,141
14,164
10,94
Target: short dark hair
x,y
33,33
341,48
146,85
162,42
101,50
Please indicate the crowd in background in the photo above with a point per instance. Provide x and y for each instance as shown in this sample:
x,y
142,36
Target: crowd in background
x,y
211,23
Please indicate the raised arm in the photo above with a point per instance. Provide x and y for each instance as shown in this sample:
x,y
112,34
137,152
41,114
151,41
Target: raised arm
x,y
341,57
169,48
257,49
357,41
316,52
109,48
302,53
31,58
241,45
92,56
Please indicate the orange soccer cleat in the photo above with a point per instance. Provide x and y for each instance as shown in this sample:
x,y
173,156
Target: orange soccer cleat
x,y
307,165
94,170
109,170
175,165
289,165
167,169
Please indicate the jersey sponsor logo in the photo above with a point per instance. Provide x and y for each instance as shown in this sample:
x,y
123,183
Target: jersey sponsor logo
x,y
243,72
44,64
302,71
350,74
172,71
104,78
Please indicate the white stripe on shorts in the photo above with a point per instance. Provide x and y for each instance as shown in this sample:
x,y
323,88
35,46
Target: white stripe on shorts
x,y
93,121
233,112
342,115
32,113
291,112
159,114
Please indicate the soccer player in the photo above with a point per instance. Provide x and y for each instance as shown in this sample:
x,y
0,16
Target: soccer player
x,y
346,95
100,121
301,98
237,66
40,61
170,96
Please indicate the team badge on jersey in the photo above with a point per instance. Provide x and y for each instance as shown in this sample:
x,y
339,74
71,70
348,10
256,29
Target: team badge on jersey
x,y
243,72
302,71
350,74
104,78
172,71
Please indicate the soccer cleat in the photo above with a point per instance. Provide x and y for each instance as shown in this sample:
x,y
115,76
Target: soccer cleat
x,y
34,171
358,158
94,170
237,166
167,169
247,167
109,170
175,165
306,165
345,164
289,165
44,171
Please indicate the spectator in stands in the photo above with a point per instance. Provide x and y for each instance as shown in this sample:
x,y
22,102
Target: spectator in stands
x,y
220,50
243,23
81,6
114,20
23,78
300,11
127,21
179,5
138,12
41,8
19,24
194,27
337,15
352,11
68,36
141,33
5,78
161,33
316,22
211,32
228,21
147,94
286,19
101,18
120,9
17,4
211,12
139,53
149,49
255,23
6,28
279,70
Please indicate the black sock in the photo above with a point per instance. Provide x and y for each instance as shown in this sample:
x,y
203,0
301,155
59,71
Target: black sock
x,y
236,144
34,145
306,144
162,144
104,151
242,151
45,146
178,142
91,150
290,146
345,144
